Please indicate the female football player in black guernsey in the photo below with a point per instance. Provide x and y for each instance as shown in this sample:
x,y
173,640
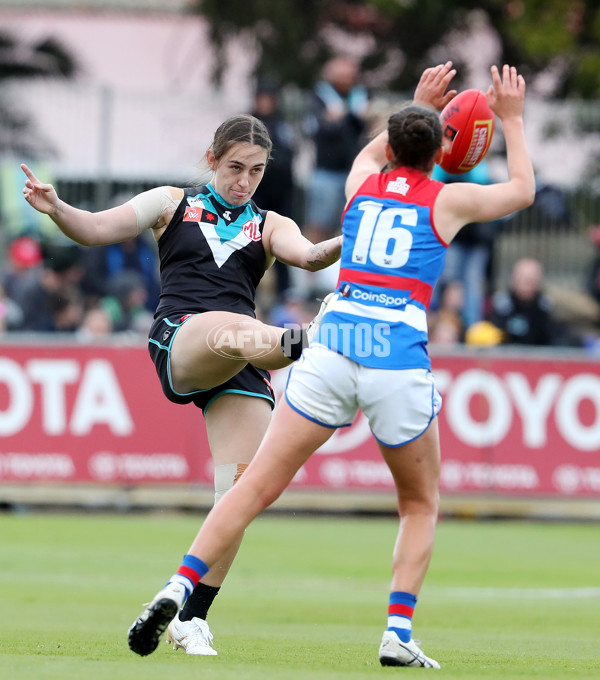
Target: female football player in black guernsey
x,y
214,245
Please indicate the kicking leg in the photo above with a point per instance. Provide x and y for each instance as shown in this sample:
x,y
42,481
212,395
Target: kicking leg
x,y
211,348
290,440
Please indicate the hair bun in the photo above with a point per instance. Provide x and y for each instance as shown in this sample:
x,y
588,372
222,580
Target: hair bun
x,y
415,135
419,129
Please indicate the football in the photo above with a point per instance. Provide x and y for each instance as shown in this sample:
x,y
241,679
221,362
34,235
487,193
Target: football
x,y
468,127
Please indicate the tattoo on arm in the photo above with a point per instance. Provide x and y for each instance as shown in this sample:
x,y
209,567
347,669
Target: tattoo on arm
x,y
323,254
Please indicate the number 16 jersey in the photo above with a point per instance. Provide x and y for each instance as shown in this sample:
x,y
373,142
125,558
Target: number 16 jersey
x,y
391,260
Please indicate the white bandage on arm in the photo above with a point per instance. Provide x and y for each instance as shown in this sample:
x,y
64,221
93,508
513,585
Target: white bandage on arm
x,y
150,205
226,476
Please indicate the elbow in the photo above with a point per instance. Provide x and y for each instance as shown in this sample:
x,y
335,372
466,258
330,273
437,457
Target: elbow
x,y
524,195
531,196
529,192
85,241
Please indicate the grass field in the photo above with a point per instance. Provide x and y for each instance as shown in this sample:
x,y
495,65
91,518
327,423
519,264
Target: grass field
x,y
306,599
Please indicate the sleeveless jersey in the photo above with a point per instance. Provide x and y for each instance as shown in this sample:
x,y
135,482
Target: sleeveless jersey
x,y
211,255
391,260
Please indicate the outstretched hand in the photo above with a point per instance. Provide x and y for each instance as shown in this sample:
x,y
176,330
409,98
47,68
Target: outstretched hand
x,y
431,89
506,94
40,196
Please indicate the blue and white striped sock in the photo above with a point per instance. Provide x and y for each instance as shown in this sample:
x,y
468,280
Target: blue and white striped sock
x,y
400,613
189,573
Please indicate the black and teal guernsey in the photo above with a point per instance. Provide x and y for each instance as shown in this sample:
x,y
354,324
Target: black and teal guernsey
x,y
211,256
211,259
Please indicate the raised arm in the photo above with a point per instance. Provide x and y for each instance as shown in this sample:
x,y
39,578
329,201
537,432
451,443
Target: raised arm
x,y
432,87
283,240
430,92
84,227
462,203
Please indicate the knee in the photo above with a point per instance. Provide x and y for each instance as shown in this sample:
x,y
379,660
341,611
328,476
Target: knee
x,y
425,505
267,495
226,476
259,491
238,338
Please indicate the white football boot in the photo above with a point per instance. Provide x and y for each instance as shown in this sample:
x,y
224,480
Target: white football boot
x,y
394,652
146,631
193,636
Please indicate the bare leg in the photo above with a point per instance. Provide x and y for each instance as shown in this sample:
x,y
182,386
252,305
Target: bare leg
x,y
211,348
416,470
288,443
235,425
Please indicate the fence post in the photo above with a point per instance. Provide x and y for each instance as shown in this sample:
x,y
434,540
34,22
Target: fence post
x,y
105,135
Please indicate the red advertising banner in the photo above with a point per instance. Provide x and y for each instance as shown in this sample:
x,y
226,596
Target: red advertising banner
x,y
508,425
81,413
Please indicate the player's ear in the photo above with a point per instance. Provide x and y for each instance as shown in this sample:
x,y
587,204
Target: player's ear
x,y
211,159
389,152
444,149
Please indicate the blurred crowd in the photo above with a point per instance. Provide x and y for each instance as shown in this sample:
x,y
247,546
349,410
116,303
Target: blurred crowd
x,y
54,286
92,293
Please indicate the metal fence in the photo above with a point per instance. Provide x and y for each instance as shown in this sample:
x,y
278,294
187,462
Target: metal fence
x,y
104,146
556,233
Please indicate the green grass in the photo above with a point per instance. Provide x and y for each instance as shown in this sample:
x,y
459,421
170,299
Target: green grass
x,y
306,599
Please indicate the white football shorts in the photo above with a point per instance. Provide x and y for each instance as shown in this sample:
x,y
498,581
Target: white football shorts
x,y
328,388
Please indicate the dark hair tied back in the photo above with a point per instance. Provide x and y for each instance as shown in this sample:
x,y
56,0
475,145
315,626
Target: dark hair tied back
x,y
415,135
242,128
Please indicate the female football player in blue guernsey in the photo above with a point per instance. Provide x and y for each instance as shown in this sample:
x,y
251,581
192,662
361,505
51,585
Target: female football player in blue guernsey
x,y
369,351
214,245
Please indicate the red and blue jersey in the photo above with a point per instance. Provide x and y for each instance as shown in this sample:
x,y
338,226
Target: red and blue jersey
x,y
391,260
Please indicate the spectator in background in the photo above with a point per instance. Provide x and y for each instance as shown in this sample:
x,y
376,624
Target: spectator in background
x,y
276,190
96,325
446,329
24,265
47,293
446,323
11,315
469,255
336,125
24,253
293,309
550,209
103,264
593,282
23,262
523,311
126,301
67,307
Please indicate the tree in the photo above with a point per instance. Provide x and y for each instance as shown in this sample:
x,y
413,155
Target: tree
x,y
19,60
396,38
560,37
